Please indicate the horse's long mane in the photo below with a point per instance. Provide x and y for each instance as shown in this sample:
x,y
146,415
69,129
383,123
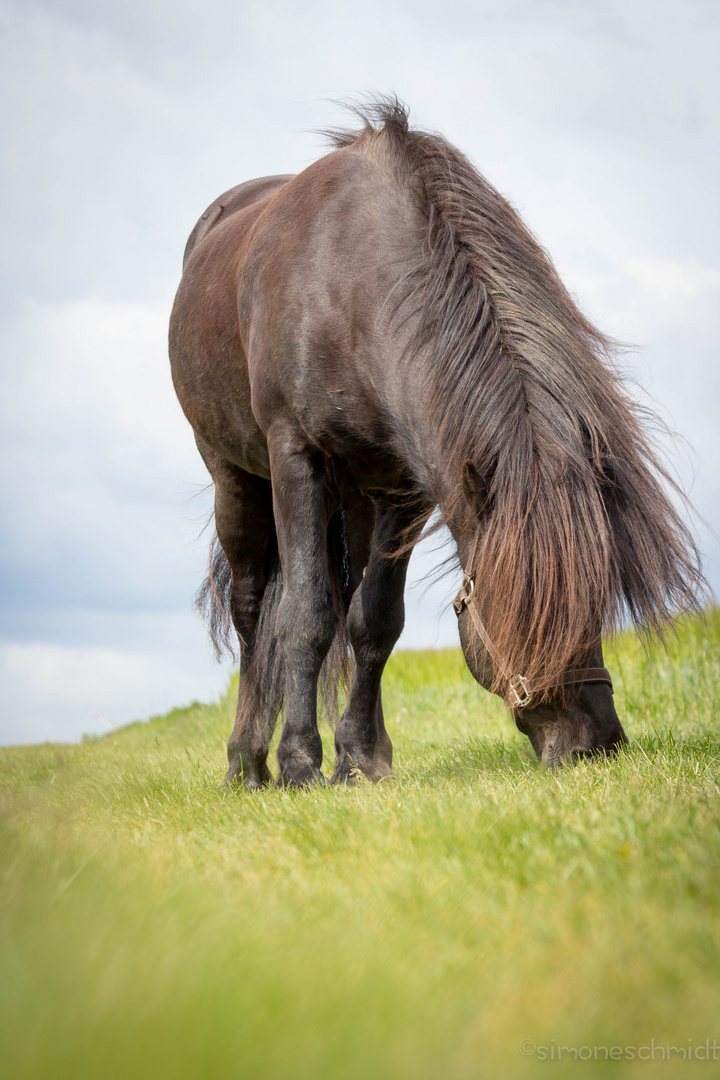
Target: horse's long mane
x,y
579,529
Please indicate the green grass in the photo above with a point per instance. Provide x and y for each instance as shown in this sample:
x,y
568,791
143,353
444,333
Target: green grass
x,y
153,925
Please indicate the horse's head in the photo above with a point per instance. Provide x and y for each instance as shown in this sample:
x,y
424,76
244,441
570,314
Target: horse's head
x,y
578,721
566,718
586,725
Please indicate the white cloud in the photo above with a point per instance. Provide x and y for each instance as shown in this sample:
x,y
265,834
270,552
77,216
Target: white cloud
x,y
672,279
671,310
98,461
57,693
97,372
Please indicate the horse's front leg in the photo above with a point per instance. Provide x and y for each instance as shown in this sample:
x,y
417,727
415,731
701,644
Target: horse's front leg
x,y
307,618
375,621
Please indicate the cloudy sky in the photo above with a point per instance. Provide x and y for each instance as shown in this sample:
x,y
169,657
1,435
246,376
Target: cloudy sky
x,y
121,122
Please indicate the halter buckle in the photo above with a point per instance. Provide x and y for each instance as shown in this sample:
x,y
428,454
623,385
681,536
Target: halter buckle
x,y
466,590
519,694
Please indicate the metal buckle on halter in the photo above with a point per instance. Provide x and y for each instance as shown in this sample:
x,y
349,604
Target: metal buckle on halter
x,y
466,590
521,700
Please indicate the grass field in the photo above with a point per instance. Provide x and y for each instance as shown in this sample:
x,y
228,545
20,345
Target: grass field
x,y
153,925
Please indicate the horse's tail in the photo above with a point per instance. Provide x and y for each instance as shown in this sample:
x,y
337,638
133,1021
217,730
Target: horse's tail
x,y
263,685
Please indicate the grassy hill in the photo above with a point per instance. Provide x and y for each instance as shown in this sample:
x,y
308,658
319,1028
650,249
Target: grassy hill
x,y
450,923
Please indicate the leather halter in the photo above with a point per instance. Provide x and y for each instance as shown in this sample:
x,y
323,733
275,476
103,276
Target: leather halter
x,y
520,690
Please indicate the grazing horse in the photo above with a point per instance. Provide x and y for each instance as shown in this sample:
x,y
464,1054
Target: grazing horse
x,y
358,345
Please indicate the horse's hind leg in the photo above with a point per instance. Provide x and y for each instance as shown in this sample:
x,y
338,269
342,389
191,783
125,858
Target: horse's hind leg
x,y
245,528
375,622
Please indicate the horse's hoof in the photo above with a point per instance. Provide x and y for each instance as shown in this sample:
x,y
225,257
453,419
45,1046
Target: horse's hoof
x,y
349,770
235,781
300,779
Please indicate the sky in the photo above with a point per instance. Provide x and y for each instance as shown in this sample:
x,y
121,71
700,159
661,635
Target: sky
x,y
121,122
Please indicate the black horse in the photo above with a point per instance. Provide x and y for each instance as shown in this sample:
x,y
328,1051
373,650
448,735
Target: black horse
x,y
366,341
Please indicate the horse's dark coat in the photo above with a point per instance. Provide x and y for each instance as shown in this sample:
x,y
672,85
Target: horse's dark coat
x,y
358,344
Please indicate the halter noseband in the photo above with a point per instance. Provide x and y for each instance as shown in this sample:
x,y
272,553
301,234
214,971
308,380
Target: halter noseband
x,y
520,691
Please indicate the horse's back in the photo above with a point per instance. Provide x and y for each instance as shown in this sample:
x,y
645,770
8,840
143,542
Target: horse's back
x,y
236,198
